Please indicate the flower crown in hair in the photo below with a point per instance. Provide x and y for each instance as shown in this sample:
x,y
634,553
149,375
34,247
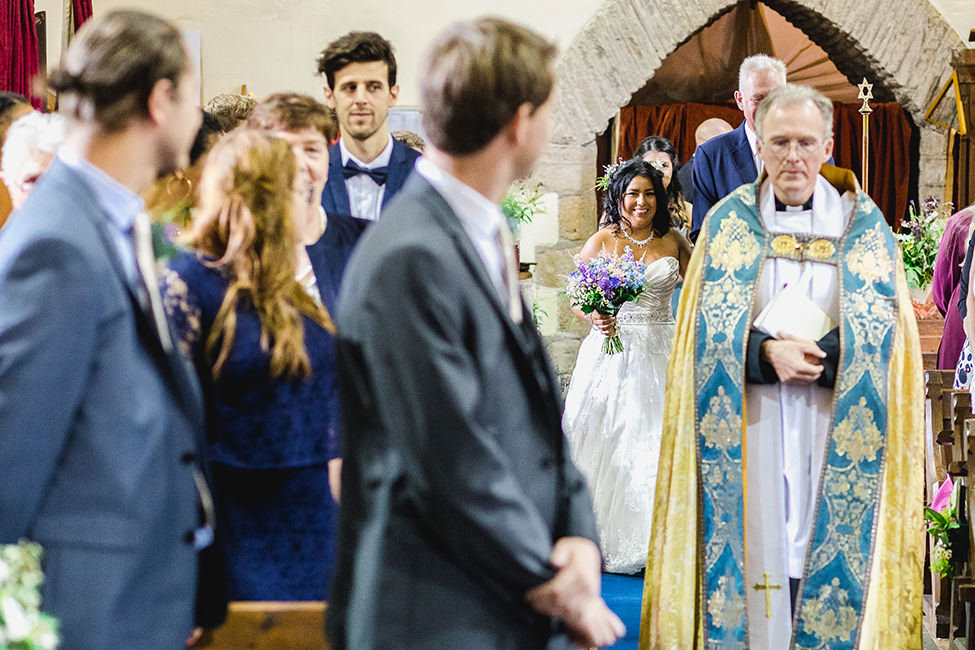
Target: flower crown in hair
x,y
657,164
602,183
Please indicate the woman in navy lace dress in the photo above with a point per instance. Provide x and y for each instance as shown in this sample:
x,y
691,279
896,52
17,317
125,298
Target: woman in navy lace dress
x,y
261,343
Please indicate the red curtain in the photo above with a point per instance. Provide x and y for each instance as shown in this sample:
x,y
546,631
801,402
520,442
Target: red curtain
x,y
893,143
18,61
81,9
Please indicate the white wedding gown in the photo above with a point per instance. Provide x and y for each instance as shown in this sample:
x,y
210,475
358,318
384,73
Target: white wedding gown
x,y
613,418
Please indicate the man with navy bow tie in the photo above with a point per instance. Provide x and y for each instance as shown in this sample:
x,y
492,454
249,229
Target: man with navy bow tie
x,y
367,166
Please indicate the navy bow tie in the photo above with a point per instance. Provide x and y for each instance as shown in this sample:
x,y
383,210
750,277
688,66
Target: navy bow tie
x,y
378,174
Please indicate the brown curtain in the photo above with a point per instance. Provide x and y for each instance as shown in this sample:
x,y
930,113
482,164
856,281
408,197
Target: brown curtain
x,y
893,143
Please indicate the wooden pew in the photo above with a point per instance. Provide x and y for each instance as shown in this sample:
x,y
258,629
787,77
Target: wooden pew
x,y
940,449
269,626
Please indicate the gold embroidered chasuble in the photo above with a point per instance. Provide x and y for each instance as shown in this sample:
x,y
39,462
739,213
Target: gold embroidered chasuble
x,y
862,583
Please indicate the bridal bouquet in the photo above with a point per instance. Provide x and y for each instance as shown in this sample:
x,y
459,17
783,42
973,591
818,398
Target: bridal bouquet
x,y
603,284
22,625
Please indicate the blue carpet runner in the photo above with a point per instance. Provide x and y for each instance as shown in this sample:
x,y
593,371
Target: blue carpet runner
x,y
624,595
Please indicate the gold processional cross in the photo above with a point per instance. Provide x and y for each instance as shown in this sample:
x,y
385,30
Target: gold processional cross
x,y
768,594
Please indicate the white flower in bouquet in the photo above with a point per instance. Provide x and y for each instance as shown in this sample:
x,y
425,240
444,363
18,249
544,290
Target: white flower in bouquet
x,y
22,625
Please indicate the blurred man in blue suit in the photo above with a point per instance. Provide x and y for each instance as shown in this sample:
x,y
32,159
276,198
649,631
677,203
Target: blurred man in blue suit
x,y
101,422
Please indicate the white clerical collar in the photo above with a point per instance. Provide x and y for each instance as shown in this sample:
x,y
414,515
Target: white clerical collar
x,y
382,160
782,207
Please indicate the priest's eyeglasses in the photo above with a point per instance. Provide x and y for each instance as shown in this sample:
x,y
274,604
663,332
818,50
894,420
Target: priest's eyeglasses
x,y
780,147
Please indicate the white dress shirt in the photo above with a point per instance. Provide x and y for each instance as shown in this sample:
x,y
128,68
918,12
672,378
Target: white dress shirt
x,y
365,194
753,143
480,218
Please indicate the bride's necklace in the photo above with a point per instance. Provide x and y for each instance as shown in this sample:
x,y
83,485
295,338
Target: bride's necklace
x,y
638,242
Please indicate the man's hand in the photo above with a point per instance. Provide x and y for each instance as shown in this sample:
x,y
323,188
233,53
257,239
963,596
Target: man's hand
x,y
796,361
573,597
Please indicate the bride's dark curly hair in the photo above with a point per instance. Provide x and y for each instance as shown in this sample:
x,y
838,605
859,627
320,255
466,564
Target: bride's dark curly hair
x,y
620,180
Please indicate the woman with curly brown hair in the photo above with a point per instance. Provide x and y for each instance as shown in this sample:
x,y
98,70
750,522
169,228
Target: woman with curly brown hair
x,y
262,345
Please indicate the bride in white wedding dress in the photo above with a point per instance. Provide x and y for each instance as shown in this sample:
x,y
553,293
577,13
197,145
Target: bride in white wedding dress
x,y
614,406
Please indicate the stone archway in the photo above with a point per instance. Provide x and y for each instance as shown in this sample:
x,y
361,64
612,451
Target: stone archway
x,y
624,43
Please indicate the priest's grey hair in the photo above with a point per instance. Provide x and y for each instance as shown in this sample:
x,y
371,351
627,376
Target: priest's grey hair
x,y
790,95
759,63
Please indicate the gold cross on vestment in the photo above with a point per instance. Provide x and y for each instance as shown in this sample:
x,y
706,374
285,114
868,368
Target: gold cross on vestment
x,y
768,595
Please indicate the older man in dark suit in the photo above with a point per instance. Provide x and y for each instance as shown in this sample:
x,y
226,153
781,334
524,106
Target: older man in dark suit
x,y
464,522
727,161
100,422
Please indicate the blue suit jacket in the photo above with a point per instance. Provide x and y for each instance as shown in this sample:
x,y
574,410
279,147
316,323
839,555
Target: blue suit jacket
x,y
335,198
101,429
721,165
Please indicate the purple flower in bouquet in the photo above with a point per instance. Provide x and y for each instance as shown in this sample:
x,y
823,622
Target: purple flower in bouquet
x,y
603,284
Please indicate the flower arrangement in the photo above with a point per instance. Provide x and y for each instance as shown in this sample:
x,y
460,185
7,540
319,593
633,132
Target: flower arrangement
x,y
521,203
602,183
22,625
919,239
603,284
943,520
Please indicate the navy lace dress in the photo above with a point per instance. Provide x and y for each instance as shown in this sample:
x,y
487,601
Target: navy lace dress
x,y
270,440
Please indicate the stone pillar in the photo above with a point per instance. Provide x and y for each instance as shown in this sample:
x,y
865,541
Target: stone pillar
x,y
964,64
569,171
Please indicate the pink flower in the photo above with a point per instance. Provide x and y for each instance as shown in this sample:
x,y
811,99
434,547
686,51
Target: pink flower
x,y
941,497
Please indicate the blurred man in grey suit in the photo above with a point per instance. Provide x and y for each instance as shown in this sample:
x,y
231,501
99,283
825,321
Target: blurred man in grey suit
x,y
464,523
100,422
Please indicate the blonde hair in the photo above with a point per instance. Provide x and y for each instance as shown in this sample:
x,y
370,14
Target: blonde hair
x,y
244,225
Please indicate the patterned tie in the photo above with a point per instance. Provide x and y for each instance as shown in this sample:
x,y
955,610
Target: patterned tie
x,y
378,174
510,272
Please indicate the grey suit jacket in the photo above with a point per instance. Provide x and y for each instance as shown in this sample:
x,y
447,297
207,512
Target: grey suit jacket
x,y
99,430
456,477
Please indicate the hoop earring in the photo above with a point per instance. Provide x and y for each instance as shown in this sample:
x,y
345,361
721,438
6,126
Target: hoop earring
x,y
183,181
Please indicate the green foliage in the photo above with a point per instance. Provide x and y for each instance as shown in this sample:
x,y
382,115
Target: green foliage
x,y
919,239
940,525
521,203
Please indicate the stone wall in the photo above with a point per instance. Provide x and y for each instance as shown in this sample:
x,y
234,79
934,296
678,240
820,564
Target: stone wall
x,y
907,58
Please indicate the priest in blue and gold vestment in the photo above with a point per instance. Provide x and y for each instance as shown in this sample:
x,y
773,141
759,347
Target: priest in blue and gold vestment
x,y
788,510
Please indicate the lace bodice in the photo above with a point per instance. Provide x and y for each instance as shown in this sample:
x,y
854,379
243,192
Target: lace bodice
x,y
653,305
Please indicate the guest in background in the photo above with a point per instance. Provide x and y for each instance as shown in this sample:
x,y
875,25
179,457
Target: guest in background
x,y
946,285
660,152
230,109
709,128
725,162
28,150
965,365
308,126
102,425
12,106
261,343
367,166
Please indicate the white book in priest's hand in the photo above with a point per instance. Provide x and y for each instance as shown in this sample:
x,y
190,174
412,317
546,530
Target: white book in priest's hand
x,y
791,312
